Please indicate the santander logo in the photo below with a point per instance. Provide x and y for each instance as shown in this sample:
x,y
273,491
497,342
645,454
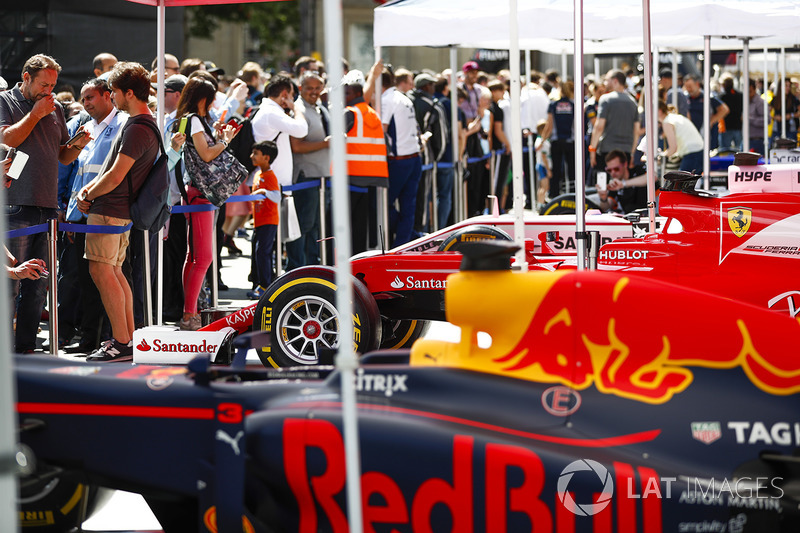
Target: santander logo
x,y
397,284
143,346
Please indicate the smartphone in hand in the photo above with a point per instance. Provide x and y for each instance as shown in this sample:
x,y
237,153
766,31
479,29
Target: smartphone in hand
x,y
182,126
18,163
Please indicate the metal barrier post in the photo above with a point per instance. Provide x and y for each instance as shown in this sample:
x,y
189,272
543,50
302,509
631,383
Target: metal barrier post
x,y
52,261
214,261
385,203
435,194
532,171
148,288
278,248
160,273
593,248
323,247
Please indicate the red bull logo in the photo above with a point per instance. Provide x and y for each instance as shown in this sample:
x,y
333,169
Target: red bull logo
x,y
587,328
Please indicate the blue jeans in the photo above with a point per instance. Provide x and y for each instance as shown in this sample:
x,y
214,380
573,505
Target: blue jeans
x,y
32,293
263,240
305,250
728,138
404,175
444,194
692,162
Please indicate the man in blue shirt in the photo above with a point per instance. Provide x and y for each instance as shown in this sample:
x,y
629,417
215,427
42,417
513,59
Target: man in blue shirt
x,y
691,85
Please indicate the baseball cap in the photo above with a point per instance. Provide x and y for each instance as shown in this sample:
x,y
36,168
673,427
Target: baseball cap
x,y
176,82
470,65
423,79
213,69
353,77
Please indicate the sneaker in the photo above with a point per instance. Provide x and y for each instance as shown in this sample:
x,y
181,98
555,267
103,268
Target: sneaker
x,y
191,324
256,293
112,350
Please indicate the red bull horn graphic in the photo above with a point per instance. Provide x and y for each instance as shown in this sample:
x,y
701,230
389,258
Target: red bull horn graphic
x,y
578,333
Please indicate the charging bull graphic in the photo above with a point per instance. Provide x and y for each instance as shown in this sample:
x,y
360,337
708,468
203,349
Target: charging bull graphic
x,y
579,333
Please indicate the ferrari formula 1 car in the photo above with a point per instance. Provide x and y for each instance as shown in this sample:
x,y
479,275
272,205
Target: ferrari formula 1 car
x,y
744,245
588,412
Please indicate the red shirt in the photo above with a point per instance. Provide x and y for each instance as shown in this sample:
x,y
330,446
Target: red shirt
x,y
265,211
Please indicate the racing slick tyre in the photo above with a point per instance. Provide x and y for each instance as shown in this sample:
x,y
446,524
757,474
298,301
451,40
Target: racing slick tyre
x,y
299,313
565,205
399,334
53,500
476,232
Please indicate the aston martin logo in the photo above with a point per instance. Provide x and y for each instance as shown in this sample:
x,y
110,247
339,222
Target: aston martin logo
x,y
739,220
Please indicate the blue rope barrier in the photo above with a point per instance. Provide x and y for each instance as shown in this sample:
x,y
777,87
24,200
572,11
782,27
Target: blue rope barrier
x,y
94,228
199,208
302,185
30,230
246,198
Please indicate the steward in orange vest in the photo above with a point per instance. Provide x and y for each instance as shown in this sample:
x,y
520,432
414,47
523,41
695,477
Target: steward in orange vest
x,y
366,147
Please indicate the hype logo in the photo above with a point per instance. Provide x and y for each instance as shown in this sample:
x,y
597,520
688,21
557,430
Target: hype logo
x,y
397,284
143,346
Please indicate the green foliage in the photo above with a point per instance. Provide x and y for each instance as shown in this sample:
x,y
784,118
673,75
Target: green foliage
x,y
277,24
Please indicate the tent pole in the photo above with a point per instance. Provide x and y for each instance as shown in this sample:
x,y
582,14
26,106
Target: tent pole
x,y
346,361
746,94
596,66
160,65
8,393
532,132
577,128
516,137
650,103
382,213
675,87
458,185
764,85
706,110
783,92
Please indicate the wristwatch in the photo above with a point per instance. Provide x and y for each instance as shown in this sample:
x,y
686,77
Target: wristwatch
x,y
224,143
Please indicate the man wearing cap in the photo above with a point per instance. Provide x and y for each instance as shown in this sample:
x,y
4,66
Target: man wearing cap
x,y
366,154
403,154
434,128
470,105
666,82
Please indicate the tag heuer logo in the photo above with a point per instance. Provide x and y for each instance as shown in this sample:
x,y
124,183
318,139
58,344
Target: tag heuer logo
x,y
739,220
706,432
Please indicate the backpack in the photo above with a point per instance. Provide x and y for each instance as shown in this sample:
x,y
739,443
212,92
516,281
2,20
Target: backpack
x,y
242,145
430,118
150,210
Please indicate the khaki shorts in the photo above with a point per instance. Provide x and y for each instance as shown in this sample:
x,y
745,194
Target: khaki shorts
x,y
107,248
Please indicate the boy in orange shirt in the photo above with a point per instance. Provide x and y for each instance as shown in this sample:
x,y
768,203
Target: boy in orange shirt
x,y
265,213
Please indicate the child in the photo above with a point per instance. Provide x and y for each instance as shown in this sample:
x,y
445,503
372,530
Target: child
x,y
265,213
543,164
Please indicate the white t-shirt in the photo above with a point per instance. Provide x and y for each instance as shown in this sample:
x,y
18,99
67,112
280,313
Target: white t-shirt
x,y
269,122
687,136
397,113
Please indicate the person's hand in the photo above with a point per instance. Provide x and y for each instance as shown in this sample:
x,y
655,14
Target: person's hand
x,y
227,133
5,165
238,90
615,185
82,202
508,149
262,192
593,158
44,106
177,141
30,269
83,140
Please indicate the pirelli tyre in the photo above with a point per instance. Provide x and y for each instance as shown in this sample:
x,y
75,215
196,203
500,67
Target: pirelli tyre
x,y
565,205
400,334
53,500
476,232
299,313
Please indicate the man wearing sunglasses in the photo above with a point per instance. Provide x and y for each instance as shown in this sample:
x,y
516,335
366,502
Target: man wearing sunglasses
x,y
626,188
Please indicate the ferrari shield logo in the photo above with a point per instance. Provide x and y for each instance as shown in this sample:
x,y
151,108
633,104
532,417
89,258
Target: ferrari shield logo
x,y
706,432
739,220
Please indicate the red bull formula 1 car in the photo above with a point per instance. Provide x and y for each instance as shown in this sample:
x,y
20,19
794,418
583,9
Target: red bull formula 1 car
x,y
588,412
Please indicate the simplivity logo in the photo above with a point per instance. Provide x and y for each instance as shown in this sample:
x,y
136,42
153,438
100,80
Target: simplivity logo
x,y
603,499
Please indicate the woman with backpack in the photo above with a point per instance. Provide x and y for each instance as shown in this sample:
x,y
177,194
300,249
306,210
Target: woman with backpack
x,y
193,107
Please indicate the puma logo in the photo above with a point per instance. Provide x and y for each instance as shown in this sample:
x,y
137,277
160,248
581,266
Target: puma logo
x,y
233,441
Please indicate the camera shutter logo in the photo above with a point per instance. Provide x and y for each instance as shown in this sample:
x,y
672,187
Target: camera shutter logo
x,y
585,465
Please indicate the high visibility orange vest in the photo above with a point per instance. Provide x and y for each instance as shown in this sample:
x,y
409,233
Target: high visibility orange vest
x,y
366,147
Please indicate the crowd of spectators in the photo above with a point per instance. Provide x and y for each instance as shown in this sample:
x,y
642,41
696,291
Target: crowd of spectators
x,y
402,146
